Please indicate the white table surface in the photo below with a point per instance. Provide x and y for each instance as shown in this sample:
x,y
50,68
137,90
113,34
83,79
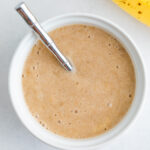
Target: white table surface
x,y
13,135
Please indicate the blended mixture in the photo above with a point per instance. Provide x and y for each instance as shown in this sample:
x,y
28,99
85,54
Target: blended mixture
x,y
92,99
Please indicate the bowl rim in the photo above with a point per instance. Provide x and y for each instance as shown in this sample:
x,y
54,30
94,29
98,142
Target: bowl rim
x,y
121,31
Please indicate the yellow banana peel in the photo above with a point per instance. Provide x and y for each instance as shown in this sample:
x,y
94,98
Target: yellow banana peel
x,y
140,9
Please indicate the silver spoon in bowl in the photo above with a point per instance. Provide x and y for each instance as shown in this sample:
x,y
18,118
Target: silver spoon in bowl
x,y
29,18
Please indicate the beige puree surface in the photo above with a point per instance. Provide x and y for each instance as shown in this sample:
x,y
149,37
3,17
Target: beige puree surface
x,y
89,101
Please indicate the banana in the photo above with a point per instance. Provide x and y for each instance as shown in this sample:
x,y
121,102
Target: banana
x,y
140,9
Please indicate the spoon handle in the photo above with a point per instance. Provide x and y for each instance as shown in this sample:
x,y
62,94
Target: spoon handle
x,y
26,14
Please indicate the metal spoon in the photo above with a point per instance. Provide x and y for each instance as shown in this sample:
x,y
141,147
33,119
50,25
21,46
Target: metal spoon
x,y
26,14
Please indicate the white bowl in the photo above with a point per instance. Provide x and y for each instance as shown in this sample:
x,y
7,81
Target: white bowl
x,y
16,92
